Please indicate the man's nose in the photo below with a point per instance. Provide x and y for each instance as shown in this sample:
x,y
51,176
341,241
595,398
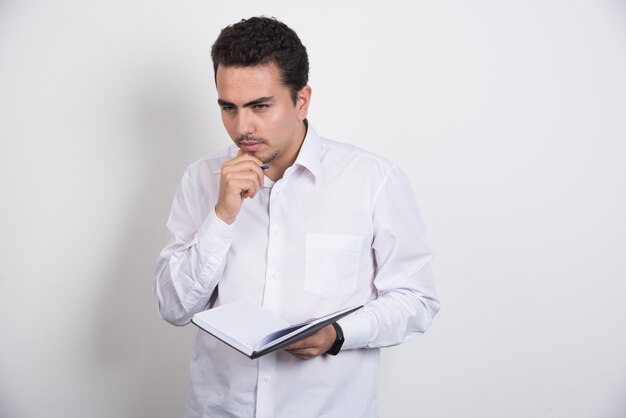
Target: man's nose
x,y
245,124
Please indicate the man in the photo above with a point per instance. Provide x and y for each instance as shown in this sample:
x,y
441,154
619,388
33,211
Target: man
x,y
326,226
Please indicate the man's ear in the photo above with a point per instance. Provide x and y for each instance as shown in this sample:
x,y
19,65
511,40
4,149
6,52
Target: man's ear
x,y
302,102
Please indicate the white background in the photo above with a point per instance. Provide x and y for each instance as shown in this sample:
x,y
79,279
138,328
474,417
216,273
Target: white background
x,y
508,116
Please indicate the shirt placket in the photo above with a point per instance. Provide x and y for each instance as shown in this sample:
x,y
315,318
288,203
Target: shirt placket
x,y
267,379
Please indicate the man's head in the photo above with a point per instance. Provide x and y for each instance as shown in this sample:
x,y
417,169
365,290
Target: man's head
x,y
259,41
261,71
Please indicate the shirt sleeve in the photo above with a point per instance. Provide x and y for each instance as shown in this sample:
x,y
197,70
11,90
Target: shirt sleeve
x,y
406,301
191,264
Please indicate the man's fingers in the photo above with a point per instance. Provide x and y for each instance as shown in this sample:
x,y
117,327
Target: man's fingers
x,y
298,346
241,180
242,156
305,353
314,345
309,342
241,165
244,165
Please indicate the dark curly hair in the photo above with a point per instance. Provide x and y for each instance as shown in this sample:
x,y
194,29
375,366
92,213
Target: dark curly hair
x,y
263,40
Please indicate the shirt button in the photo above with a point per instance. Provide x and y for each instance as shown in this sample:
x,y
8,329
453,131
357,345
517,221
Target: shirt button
x,y
226,240
276,232
274,276
266,378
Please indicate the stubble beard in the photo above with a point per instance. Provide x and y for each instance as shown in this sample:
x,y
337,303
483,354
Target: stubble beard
x,y
249,138
269,158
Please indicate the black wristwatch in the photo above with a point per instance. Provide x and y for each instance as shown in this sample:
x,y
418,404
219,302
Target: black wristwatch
x,y
334,350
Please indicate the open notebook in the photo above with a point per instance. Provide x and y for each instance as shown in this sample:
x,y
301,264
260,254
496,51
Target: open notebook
x,y
256,331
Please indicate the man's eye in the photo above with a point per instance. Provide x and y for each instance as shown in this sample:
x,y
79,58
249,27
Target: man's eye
x,y
228,109
261,106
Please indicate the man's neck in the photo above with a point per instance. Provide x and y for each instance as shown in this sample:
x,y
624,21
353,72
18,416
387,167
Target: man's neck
x,y
278,169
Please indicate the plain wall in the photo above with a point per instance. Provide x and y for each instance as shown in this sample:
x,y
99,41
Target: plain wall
x,y
508,116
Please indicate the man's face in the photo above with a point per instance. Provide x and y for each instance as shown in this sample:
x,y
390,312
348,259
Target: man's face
x,y
259,113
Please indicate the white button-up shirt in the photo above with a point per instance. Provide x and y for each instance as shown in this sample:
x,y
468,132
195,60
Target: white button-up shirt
x,y
341,228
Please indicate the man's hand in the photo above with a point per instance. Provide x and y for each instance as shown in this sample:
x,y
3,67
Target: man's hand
x,y
314,345
240,178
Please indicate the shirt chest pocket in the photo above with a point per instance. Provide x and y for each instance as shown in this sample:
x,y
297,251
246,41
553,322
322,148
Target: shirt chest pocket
x,y
332,263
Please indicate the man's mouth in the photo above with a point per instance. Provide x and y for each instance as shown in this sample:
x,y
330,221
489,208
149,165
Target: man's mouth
x,y
250,144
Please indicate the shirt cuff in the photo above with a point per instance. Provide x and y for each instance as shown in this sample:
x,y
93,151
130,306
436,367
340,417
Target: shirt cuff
x,y
358,329
214,235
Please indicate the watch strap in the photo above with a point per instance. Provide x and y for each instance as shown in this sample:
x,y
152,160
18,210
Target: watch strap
x,y
336,347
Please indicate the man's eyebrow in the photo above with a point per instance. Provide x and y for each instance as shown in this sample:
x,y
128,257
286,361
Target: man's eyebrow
x,y
224,103
259,101
254,102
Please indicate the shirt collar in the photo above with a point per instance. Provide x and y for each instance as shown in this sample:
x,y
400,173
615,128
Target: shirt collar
x,y
310,154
